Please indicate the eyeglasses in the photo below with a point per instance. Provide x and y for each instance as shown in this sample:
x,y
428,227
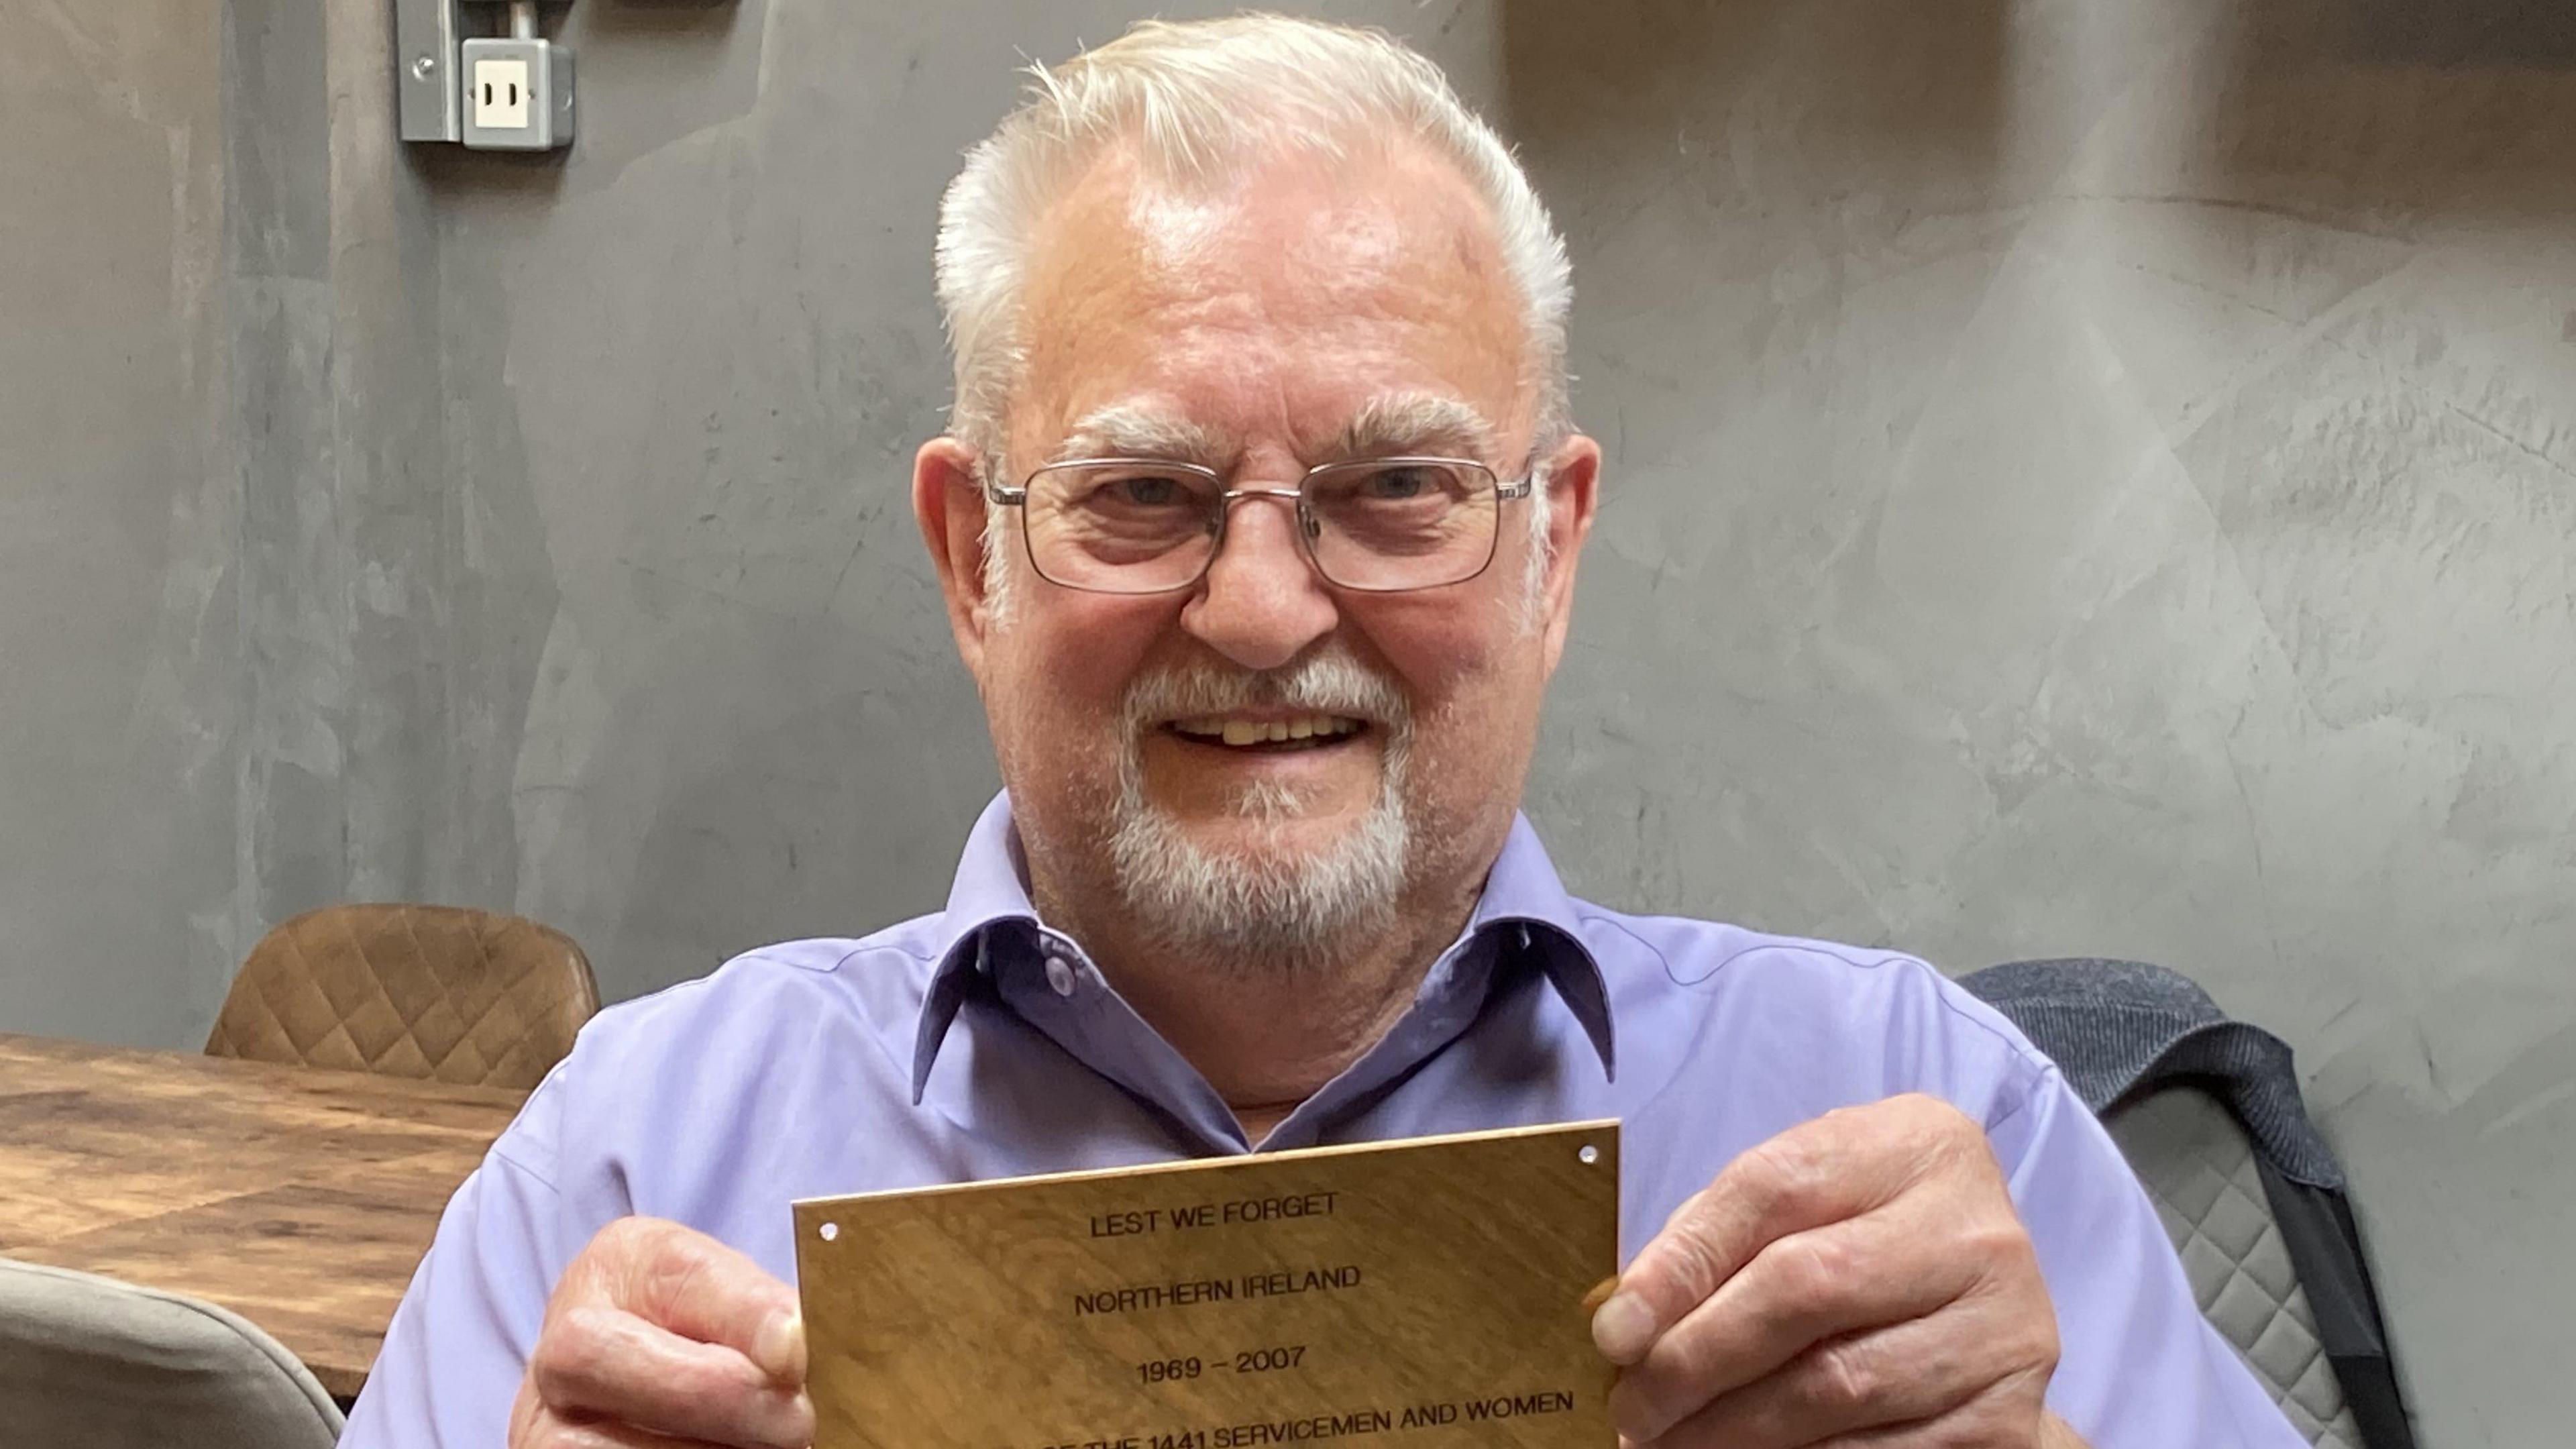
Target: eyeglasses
x,y
1149,526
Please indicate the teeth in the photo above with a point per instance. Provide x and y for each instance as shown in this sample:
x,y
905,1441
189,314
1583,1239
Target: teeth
x,y
1254,732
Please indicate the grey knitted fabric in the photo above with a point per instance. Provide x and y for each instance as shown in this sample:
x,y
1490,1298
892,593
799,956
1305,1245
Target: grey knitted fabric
x,y
2111,1025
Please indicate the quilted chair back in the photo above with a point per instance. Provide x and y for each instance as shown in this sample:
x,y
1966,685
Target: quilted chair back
x,y
438,993
2200,1169
2208,1113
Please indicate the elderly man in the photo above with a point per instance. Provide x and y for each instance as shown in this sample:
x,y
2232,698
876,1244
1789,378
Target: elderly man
x,y
1258,526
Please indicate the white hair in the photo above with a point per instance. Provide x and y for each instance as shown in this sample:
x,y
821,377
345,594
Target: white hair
x,y
1204,102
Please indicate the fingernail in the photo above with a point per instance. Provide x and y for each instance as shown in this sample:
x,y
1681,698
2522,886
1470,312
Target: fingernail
x,y
1624,1328
779,1347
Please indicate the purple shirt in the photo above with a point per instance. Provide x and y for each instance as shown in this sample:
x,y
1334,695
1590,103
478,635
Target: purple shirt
x,y
977,1043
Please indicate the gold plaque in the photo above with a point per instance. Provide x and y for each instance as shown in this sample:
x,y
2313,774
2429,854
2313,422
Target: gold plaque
x,y
1430,1293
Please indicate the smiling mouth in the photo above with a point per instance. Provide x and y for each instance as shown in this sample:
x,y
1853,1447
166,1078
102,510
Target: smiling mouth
x,y
1291,732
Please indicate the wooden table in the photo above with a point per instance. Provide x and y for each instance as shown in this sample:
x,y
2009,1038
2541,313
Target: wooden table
x,y
299,1198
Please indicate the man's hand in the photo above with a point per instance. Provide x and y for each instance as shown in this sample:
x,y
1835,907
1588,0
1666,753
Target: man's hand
x,y
663,1338
1861,1279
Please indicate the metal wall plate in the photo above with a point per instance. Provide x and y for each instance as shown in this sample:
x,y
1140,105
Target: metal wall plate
x,y
426,36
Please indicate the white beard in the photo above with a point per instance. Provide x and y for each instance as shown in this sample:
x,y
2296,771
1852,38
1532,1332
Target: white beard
x,y
1267,908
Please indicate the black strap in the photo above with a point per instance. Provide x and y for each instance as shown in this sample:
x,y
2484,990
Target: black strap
x,y
2324,1244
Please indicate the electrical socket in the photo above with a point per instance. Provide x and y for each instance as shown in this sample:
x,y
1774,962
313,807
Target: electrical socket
x,y
518,94
500,94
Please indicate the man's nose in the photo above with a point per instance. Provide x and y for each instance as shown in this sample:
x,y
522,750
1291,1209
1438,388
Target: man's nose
x,y
1261,604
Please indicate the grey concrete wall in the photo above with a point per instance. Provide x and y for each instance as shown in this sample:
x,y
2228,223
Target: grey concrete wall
x,y
2101,479
378,599
117,509
249,632
2085,477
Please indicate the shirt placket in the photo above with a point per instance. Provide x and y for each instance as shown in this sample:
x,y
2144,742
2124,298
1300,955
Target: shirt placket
x,y
1453,994
1056,988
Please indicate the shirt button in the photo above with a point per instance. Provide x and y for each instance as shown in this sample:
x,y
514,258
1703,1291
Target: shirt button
x,y
1059,974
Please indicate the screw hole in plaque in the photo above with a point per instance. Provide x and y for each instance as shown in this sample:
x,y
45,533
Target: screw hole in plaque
x,y
829,1231
1589,1155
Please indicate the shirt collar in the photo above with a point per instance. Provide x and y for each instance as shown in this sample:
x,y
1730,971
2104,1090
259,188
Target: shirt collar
x,y
1524,904
989,888
1522,891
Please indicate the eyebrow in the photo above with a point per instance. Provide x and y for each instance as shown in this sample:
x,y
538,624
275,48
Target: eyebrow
x,y
1390,423
1416,422
1124,430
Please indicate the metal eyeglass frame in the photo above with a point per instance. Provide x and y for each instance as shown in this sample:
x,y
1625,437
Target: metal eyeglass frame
x,y
1309,528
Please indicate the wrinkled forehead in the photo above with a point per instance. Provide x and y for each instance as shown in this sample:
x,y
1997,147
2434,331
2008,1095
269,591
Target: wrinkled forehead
x,y
1284,300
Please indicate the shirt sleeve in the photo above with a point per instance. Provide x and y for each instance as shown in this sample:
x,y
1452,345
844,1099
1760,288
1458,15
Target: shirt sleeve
x,y
2139,1367
459,1344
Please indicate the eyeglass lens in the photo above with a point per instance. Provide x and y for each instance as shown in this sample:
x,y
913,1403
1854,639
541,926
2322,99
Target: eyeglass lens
x,y
1374,524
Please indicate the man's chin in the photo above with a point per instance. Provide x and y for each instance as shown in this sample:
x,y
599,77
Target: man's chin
x,y
1271,838
1281,888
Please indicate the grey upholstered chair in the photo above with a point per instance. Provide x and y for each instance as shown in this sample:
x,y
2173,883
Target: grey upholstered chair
x,y
91,1363
2207,1110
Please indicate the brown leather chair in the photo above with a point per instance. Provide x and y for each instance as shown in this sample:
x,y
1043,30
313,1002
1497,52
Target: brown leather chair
x,y
438,993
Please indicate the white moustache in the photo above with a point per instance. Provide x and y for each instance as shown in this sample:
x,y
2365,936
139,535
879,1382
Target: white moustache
x,y
1327,684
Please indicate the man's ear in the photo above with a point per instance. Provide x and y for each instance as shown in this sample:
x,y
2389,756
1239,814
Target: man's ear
x,y
1573,492
948,499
